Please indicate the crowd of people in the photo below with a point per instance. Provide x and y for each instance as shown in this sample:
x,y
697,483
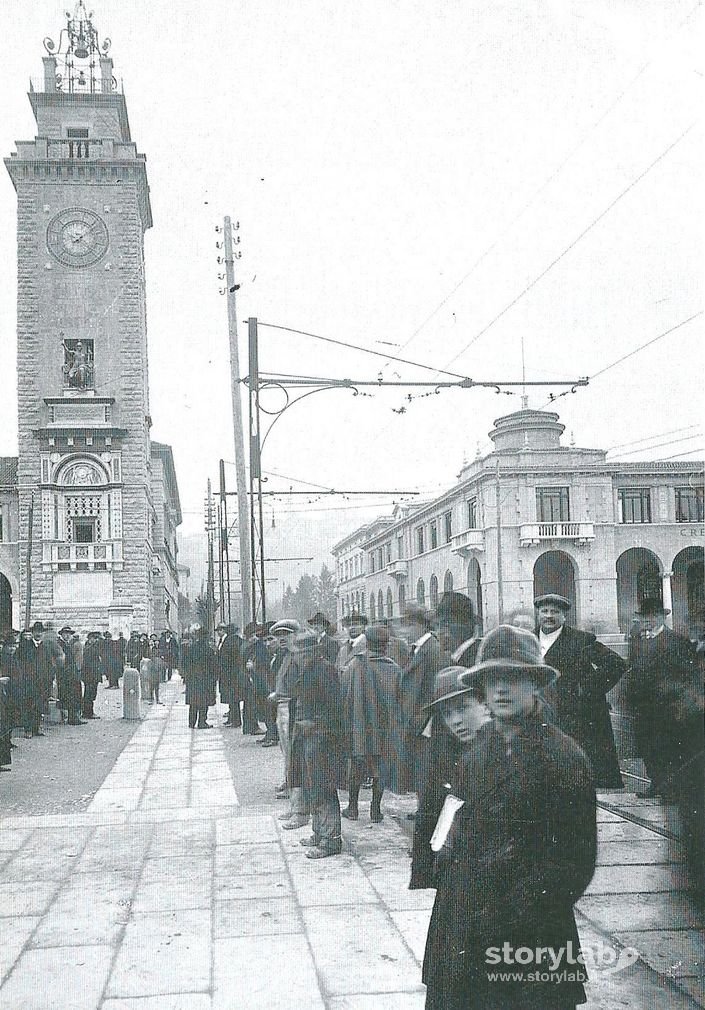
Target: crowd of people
x,y
504,738
41,665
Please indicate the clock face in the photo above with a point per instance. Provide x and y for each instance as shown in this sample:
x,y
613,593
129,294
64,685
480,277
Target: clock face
x,y
77,237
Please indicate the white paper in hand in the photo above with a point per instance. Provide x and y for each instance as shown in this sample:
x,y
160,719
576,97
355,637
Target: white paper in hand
x,y
445,821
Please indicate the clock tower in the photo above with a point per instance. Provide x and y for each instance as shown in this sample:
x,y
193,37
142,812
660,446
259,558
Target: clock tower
x,y
87,520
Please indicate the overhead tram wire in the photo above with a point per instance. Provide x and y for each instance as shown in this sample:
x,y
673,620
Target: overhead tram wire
x,y
660,445
649,438
365,350
532,284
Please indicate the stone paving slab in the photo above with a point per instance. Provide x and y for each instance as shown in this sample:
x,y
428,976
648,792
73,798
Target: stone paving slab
x,y
167,895
676,953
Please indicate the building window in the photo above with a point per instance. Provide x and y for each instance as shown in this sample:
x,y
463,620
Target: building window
x,y
420,593
402,599
400,547
690,503
552,504
372,562
433,592
373,614
390,604
634,504
433,535
380,559
472,514
84,531
380,605
448,583
419,540
2,534
448,527
388,552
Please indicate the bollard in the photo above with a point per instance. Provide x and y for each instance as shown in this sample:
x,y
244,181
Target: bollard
x,y
131,693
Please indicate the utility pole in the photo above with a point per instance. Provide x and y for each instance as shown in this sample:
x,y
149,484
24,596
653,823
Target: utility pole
x,y
223,556
256,511
238,432
210,586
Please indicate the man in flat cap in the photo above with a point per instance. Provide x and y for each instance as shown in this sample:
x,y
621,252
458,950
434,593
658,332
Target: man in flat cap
x,y
587,671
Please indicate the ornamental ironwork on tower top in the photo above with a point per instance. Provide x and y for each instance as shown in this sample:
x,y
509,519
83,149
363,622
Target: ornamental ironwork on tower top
x,y
80,62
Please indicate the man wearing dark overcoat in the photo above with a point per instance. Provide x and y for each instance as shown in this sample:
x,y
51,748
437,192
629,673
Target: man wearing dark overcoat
x,y
69,684
92,673
416,692
229,654
587,671
370,688
33,679
201,680
663,695
316,747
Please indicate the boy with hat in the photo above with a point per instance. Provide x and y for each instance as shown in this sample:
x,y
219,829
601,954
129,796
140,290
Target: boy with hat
x,y
521,850
587,671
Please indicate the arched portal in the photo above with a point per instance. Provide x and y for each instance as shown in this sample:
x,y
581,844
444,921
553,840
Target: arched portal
x,y
475,590
448,582
5,604
638,578
433,592
554,572
688,590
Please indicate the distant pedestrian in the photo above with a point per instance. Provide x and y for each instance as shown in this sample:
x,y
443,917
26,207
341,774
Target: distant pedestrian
x,y
33,679
69,679
169,651
115,654
370,688
587,671
201,680
92,673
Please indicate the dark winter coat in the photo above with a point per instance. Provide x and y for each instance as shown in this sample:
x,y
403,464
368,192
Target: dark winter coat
x,y
68,678
200,675
327,648
415,694
93,666
230,660
370,688
521,852
169,651
33,676
588,671
663,694
316,692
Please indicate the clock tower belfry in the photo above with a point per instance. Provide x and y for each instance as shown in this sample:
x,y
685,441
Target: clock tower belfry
x,y
84,471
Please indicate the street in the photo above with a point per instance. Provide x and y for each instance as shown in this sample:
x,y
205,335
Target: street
x,y
170,885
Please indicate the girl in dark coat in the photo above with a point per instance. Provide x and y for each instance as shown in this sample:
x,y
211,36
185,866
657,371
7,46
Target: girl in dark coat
x,y
520,852
200,681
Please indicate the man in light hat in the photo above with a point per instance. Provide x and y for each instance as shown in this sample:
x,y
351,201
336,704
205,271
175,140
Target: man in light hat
x,y
587,671
521,849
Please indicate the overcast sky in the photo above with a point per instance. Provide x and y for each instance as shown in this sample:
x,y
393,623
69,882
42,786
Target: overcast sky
x,y
402,172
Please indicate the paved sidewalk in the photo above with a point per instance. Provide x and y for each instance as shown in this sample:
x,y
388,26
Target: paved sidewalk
x,y
167,894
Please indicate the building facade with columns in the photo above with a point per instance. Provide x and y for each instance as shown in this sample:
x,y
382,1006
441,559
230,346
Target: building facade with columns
x,y
93,528
534,516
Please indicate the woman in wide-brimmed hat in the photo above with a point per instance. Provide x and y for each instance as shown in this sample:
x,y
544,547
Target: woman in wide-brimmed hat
x,y
521,849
